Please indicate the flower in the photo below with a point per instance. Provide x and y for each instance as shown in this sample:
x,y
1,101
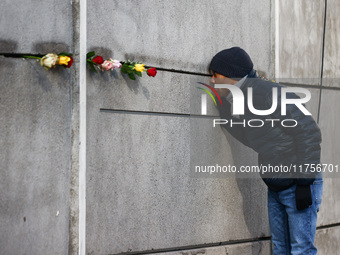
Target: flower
x,y
48,61
70,62
132,69
64,60
107,65
116,63
51,60
151,71
139,67
98,60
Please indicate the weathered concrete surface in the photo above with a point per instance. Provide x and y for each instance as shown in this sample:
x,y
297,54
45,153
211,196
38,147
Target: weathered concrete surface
x,y
34,159
330,150
35,26
329,209
327,241
331,71
141,195
258,248
300,40
181,35
168,92
313,104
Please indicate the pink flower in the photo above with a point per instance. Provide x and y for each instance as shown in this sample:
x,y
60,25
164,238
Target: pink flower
x,y
110,64
107,65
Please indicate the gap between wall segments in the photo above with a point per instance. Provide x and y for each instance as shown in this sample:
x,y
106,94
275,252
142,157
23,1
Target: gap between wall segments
x,y
322,59
82,125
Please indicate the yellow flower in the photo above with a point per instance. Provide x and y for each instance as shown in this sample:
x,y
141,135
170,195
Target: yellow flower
x,y
63,60
139,67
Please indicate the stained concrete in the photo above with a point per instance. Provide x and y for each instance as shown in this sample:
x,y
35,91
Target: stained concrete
x,y
300,41
166,93
327,240
258,248
331,71
35,27
181,35
326,243
34,159
330,150
141,195
147,179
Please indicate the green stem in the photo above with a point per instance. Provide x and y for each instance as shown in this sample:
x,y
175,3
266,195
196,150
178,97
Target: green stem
x,y
32,57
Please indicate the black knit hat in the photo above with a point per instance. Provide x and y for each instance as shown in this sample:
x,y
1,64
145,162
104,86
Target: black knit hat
x,y
232,63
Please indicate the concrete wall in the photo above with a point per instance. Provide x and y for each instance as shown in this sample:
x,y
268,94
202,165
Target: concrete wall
x,y
22,31
304,60
154,201
141,193
35,158
35,124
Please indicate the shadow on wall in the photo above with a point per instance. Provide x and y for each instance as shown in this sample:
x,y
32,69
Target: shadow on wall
x,y
51,47
8,46
253,191
135,86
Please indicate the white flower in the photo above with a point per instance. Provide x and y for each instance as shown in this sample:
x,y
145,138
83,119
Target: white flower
x,y
116,63
50,60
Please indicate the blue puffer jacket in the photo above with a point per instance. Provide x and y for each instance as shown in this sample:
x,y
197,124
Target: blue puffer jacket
x,y
277,145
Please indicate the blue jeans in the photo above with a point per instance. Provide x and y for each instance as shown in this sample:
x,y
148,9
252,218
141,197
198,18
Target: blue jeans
x,y
293,231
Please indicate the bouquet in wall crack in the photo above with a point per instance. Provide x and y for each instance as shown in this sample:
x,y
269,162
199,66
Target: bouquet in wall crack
x,y
132,69
96,62
51,60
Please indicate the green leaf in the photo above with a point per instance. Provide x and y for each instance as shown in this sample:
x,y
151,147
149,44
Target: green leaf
x,y
132,76
65,54
92,67
139,74
90,54
124,69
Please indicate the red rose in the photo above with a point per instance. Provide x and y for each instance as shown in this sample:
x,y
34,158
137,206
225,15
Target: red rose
x,y
70,62
98,60
152,72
